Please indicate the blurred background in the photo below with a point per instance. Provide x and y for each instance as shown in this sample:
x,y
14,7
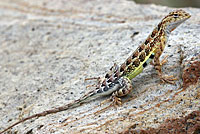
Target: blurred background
x,y
171,3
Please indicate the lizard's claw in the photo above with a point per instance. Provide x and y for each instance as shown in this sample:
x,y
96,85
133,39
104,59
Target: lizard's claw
x,y
164,60
168,79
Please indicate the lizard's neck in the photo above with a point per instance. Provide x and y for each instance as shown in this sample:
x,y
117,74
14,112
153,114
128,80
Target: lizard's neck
x,y
167,31
168,27
162,30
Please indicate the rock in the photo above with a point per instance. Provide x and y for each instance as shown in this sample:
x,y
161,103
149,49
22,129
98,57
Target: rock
x,y
189,124
48,48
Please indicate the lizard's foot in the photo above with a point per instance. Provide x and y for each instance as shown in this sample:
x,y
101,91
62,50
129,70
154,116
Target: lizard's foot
x,y
116,101
168,79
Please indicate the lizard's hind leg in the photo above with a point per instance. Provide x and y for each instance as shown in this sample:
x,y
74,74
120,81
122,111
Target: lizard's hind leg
x,y
123,91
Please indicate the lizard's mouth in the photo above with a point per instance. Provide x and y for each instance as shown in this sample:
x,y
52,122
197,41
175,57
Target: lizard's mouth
x,y
173,29
187,15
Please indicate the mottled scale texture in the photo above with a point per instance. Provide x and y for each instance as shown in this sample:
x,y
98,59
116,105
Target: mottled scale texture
x,y
147,49
110,79
155,43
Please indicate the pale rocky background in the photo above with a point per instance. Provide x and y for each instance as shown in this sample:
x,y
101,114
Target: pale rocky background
x,y
48,48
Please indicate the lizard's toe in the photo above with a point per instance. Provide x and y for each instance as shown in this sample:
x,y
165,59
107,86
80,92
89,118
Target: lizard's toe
x,y
168,79
116,101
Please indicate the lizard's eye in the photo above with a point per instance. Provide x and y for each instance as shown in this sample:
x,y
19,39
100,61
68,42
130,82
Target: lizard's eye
x,y
175,15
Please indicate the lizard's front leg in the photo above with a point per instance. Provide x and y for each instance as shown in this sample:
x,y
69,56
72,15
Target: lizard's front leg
x,y
124,89
158,66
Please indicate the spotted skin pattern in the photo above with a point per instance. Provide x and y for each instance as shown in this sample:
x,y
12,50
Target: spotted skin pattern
x,y
152,48
118,80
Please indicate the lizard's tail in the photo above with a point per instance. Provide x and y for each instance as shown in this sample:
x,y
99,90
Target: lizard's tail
x,y
73,104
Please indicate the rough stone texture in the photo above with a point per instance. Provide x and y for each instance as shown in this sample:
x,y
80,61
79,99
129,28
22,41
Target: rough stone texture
x,y
48,48
190,65
184,125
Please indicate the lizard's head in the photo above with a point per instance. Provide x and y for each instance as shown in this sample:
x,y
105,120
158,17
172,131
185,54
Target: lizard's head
x,y
174,19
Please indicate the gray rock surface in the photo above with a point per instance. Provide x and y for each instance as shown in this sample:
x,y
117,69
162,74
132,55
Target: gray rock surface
x,y
48,48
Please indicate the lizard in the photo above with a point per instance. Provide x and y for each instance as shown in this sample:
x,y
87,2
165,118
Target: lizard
x,y
117,80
